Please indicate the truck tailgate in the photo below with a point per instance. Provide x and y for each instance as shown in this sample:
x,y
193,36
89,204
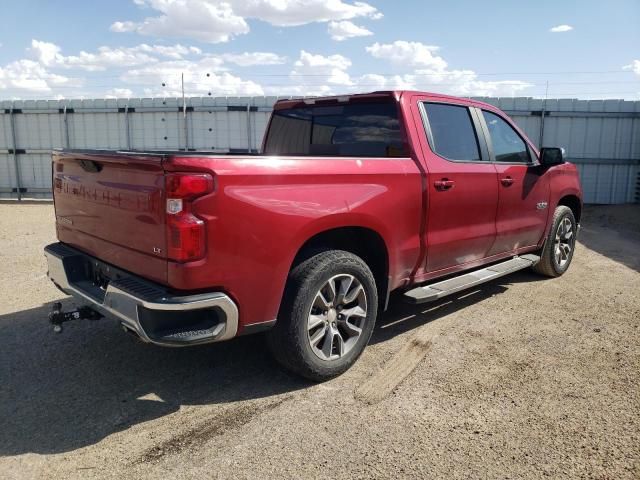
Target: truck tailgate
x,y
111,205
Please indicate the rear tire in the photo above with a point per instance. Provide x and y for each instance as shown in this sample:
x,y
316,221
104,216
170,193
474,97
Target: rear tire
x,y
327,315
559,246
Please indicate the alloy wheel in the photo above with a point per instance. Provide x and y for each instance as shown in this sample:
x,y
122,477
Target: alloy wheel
x,y
337,317
564,242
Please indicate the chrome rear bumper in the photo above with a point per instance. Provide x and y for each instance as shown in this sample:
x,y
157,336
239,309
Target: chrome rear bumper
x,y
143,307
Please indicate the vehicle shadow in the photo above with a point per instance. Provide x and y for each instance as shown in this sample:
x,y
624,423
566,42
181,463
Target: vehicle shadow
x,y
403,316
61,392
613,231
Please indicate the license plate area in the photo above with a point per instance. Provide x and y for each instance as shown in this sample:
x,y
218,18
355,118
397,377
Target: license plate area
x,y
92,276
99,274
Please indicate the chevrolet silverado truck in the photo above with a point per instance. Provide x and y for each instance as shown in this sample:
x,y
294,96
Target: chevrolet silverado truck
x,y
351,198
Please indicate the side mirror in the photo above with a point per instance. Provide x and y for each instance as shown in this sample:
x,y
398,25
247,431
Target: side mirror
x,y
552,156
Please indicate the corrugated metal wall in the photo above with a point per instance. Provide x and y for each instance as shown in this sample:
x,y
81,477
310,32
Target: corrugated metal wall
x,y
601,136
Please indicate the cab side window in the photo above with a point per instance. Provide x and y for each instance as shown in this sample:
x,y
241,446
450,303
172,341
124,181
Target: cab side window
x,y
508,146
453,135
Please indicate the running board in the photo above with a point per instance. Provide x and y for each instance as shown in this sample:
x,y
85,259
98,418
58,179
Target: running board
x,y
429,293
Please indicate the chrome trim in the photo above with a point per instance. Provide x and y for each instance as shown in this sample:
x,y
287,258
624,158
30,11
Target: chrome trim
x,y
124,306
257,327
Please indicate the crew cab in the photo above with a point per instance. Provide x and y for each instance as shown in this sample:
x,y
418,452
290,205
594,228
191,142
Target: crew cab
x,y
352,197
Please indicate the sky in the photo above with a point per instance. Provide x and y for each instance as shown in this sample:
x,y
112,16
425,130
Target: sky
x,y
51,49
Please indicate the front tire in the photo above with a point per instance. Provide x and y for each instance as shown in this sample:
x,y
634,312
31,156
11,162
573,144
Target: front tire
x,y
559,246
327,315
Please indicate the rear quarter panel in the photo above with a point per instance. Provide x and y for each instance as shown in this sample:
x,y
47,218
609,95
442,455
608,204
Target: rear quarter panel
x,y
265,208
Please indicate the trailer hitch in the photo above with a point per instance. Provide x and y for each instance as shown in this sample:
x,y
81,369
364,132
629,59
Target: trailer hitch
x,y
57,317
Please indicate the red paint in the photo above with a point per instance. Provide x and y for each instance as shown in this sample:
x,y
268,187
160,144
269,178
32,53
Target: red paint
x,y
436,217
519,223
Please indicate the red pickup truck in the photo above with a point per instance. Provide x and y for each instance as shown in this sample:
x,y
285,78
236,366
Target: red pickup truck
x,y
352,197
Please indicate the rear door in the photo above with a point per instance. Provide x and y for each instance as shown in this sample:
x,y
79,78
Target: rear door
x,y
462,186
523,199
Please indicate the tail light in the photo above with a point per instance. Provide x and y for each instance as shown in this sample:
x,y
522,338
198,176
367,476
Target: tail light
x,y
186,239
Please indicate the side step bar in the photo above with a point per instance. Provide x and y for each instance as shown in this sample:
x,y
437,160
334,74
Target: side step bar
x,y
429,293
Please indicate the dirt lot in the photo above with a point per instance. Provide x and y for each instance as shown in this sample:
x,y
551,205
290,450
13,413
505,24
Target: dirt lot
x,y
522,378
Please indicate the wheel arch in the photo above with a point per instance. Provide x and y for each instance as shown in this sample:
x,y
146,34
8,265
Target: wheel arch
x,y
574,203
364,242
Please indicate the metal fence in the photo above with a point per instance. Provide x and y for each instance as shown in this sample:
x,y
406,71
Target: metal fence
x,y
601,136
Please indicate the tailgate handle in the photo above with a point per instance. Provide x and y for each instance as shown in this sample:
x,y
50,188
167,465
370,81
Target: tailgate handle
x,y
90,166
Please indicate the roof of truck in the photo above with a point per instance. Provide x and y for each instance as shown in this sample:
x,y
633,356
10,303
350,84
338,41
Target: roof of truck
x,y
397,94
468,100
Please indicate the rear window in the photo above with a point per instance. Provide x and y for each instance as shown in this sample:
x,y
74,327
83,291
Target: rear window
x,y
353,130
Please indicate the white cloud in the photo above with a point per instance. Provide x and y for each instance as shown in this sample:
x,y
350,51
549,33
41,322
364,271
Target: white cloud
x,y
466,83
201,77
29,76
413,54
142,69
45,52
216,21
314,70
561,28
314,74
50,55
345,29
287,13
248,59
156,70
634,66
119,93
318,75
204,20
121,27
470,86
308,63
432,73
171,51
373,81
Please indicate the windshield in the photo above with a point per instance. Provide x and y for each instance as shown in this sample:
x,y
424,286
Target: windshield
x,y
353,130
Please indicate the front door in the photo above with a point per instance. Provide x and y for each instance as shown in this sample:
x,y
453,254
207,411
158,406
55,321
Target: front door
x,y
523,198
462,187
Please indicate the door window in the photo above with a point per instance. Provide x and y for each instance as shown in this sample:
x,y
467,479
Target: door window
x,y
452,133
508,146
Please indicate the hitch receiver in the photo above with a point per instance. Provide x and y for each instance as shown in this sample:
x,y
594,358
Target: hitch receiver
x,y
57,317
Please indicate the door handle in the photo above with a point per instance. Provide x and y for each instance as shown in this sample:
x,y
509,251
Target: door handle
x,y
444,184
506,181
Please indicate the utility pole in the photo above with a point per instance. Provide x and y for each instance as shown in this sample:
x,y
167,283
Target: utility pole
x,y
14,151
544,112
184,115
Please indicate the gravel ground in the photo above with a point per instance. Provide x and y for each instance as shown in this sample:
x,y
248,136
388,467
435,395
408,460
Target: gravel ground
x,y
522,378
